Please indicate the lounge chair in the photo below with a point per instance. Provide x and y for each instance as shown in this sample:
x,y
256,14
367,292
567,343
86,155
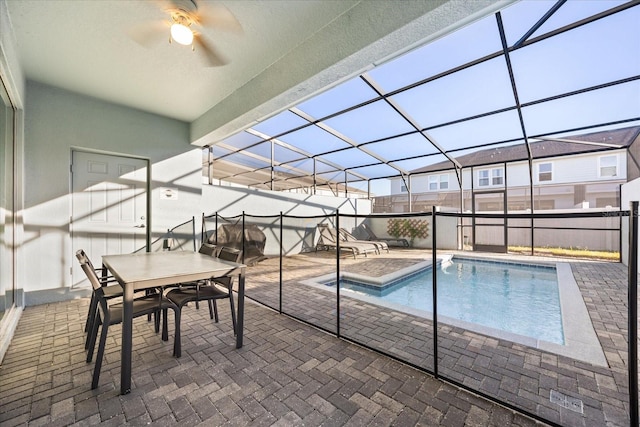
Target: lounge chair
x,y
348,237
328,240
391,241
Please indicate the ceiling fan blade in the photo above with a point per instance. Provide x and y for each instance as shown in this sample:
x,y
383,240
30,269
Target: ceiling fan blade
x,y
213,57
217,16
164,4
149,33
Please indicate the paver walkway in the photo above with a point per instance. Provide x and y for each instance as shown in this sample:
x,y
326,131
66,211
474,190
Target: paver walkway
x,y
287,374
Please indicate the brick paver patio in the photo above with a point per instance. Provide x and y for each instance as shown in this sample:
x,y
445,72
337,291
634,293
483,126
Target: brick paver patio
x,y
519,375
289,373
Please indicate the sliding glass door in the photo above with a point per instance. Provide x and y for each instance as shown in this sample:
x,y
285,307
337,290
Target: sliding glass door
x,y
7,205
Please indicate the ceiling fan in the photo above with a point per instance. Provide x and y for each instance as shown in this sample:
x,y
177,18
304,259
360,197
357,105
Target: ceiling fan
x,y
184,19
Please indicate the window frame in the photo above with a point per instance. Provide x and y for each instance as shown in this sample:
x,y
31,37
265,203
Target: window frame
x,y
482,178
444,181
550,172
616,158
433,181
499,176
440,182
491,177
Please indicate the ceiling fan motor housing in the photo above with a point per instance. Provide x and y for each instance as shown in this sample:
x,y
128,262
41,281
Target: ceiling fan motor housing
x,y
188,6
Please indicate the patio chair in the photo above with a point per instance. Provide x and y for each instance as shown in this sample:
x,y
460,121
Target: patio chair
x,y
348,237
329,240
390,241
211,250
206,249
210,290
112,314
111,289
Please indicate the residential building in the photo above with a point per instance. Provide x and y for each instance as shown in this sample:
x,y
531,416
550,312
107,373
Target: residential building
x,y
572,172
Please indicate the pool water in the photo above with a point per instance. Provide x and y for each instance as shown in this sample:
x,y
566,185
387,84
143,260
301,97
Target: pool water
x,y
518,298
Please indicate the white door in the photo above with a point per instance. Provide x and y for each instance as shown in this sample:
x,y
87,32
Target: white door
x,y
109,206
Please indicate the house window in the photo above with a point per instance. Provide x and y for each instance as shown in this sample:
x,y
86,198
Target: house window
x,y
403,189
433,182
444,182
483,178
608,166
497,177
545,172
438,182
487,177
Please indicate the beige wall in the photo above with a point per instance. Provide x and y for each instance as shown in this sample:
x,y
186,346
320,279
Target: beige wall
x,y
57,120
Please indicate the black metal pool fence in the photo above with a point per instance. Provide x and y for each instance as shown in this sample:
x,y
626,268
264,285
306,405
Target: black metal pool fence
x,y
538,383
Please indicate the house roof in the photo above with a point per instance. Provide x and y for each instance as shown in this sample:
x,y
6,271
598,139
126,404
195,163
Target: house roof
x,y
551,147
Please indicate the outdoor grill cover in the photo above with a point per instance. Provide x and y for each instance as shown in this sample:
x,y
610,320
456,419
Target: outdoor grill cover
x,y
231,235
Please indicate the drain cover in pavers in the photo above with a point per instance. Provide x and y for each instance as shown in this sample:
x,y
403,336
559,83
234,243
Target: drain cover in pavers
x,y
565,401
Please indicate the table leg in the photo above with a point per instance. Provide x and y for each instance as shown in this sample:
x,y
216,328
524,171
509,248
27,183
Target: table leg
x,y
127,333
240,325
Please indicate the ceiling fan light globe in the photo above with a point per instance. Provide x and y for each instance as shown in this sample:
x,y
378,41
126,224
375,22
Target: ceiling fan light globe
x,y
181,34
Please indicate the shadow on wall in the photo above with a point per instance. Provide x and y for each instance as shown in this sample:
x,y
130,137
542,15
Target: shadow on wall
x,y
228,201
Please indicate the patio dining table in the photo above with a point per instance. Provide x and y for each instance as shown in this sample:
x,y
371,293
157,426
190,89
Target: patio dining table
x,y
154,269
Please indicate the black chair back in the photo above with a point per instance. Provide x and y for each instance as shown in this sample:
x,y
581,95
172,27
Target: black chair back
x,y
230,254
209,249
90,272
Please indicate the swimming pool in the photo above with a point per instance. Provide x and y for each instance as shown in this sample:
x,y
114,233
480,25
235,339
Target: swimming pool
x,y
518,298
568,330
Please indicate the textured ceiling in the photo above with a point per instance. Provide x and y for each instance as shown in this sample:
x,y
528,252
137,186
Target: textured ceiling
x,y
84,46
